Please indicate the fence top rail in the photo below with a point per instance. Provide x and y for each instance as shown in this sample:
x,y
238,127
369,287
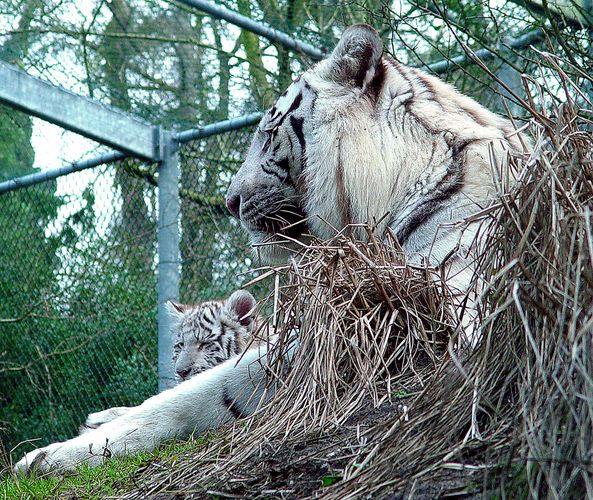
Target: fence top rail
x,y
48,175
521,42
79,114
290,42
256,27
218,127
112,156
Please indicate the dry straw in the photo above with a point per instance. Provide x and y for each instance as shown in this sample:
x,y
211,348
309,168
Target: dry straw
x,y
518,410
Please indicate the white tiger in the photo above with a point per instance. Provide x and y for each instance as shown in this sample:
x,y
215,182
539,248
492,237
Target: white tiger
x,y
355,137
206,334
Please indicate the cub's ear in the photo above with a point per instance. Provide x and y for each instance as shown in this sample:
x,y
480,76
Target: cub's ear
x,y
176,310
241,303
357,57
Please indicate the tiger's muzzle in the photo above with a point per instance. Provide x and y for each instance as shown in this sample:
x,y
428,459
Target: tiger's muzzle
x,y
266,209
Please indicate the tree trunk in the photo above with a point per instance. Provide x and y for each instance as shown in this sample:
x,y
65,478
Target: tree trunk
x,y
134,225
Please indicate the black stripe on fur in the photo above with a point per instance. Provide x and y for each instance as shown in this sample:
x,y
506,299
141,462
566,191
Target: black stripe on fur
x,y
231,404
449,186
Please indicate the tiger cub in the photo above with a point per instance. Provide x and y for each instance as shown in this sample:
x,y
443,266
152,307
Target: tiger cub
x,y
209,333
206,334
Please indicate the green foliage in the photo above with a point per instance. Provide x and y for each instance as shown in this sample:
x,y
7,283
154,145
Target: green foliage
x,y
403,393
518,487
78,330
16,152
27,264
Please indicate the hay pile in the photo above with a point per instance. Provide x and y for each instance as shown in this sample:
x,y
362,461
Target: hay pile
x,y
373,396
529,384
372,332
368,324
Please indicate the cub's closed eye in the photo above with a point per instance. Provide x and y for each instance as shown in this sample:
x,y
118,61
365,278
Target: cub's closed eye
x,y
269,131
178,345
267,143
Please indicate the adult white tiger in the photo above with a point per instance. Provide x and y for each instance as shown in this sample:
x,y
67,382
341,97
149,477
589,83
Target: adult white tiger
x,y
355,137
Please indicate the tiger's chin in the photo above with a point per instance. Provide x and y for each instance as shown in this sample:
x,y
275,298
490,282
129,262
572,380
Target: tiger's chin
x,y
275,249
273,244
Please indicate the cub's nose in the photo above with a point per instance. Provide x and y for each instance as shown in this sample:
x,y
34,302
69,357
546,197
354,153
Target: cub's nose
x,y
183,372
233,203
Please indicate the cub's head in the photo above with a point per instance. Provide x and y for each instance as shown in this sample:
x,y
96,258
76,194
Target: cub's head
x,y
209,333
292,169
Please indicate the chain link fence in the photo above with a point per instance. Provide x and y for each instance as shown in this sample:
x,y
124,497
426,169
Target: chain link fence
x,y
78,281
214,249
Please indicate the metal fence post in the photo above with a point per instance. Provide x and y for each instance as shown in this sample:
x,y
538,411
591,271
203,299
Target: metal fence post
x,y
168,252
511,79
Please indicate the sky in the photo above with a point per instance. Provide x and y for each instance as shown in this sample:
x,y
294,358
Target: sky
x,y
55,146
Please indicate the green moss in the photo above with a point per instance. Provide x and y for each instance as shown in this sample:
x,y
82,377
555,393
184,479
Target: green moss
x,y
519,484
402,394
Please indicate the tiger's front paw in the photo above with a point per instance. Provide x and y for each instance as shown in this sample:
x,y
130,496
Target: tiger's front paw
x,y
64,457
32,461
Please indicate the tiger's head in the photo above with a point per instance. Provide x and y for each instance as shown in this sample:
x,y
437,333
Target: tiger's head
x,y
360,138
273,192
211,332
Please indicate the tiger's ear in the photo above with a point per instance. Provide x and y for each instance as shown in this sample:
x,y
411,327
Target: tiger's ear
x,y
241,303
357,57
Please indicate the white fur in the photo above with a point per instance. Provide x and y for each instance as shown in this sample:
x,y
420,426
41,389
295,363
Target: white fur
x,y
390,151
97,419
240,303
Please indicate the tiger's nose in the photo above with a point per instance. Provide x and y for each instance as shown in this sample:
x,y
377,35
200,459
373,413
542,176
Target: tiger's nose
x,y
183,372
233,203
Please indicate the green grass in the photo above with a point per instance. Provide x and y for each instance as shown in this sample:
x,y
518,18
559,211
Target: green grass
x,y
402,394
330,479
108,480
